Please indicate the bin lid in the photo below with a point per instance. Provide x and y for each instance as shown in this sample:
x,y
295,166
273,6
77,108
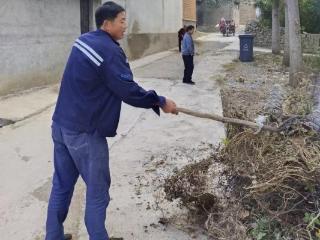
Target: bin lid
x,y
246,35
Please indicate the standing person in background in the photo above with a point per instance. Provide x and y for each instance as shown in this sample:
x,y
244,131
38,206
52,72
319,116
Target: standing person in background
x,y
187,55
181,33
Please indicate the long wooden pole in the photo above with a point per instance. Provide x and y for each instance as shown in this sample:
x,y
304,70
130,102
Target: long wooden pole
x,y
227,120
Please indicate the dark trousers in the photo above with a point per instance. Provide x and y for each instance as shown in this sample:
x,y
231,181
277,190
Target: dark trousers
x,y
188,67
179,43
86,155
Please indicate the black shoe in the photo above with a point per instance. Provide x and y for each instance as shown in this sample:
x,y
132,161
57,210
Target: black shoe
x,y
67,236
190,82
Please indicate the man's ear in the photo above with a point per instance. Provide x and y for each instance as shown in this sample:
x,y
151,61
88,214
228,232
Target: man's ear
x,y
106,24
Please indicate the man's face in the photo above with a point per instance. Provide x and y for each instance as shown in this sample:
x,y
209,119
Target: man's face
x,y
117,27
191,31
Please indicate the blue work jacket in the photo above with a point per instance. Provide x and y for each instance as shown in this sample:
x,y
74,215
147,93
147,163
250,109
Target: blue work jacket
x,y
97,78
187,45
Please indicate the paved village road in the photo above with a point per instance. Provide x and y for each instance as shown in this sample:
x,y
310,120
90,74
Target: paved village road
x,y
146,150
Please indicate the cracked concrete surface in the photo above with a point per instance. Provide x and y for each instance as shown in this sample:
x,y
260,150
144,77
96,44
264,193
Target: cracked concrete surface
x,y
139,154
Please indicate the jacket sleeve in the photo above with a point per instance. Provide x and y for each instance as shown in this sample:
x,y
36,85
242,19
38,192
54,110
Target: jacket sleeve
x,y
118,78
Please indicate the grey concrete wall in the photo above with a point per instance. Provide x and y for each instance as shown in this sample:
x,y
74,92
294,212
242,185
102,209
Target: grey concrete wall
x,y
209,16
36,38
152,26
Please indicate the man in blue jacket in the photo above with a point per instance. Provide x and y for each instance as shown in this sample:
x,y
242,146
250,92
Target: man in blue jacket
x,y
187,55
96,80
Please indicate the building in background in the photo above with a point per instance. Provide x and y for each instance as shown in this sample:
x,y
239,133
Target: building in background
x,y
35,46
189,12
152,26
241,11
248,11
209,15
36,38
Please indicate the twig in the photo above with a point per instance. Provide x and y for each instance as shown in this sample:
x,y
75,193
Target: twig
x,y
313,220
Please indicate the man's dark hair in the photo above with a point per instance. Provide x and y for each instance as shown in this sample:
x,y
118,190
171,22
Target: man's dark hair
x,y
107,11
189,28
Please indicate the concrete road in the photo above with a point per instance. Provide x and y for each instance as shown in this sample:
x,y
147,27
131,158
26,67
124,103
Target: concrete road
x,y
146,150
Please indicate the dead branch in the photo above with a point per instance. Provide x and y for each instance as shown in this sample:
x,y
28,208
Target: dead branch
x,y
227,120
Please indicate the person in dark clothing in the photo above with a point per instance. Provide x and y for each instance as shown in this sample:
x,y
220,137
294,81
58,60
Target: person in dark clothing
x,y
96,80
187,55
181,33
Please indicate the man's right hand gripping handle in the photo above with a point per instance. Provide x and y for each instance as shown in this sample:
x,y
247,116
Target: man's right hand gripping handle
x,y
170,107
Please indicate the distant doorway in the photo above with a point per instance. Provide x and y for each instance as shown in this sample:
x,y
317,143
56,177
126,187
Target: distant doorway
x,y
86,18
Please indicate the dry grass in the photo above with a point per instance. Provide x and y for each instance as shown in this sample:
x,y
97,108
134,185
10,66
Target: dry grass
x,y
230,66
220,80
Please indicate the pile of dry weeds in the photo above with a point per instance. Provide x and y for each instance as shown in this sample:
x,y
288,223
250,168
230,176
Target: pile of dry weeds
x,y
276,175
268,174
272,187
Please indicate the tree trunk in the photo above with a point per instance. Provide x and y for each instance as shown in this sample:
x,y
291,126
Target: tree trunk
x,y
286,55
275,27
296,64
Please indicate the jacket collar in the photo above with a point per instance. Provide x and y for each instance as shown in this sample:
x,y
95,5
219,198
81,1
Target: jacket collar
x,y
108,35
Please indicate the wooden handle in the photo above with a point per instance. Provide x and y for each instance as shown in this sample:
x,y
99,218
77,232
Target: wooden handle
x,y
227,120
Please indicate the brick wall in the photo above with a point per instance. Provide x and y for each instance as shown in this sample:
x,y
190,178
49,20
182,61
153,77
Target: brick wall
x,y
189,10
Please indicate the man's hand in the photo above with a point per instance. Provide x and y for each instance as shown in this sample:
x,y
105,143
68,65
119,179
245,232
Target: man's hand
x,y
170,107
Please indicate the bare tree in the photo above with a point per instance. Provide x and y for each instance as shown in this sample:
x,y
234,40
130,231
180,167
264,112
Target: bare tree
x,y
296,64
286,55
276,27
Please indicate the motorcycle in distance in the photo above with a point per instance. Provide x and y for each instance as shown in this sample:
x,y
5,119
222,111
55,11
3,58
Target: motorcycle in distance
x,y
227,27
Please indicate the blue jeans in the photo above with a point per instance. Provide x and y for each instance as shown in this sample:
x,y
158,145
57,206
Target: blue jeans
x,y
86,155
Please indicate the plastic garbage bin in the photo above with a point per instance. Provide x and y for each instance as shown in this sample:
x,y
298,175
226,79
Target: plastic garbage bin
x,y
246,47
